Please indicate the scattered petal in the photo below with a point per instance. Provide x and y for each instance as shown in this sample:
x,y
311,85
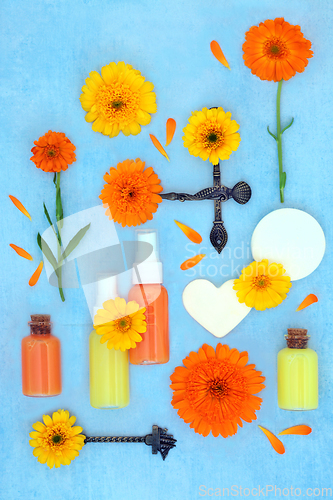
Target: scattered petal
x,y
301,430
20,251
193,261
275,442
190,233
20,206
158,146
310,299
35,277
170,130
217,52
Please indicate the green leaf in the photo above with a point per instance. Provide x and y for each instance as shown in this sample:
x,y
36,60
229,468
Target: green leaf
x,y
48,254
47,215
270,133
290,124
283,179
74,242
39,241
55,179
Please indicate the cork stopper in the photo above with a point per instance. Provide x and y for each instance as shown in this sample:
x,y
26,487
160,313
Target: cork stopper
x,y
297,338
40,324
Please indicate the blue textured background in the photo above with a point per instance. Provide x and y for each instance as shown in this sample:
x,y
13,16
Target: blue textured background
x,y
48,49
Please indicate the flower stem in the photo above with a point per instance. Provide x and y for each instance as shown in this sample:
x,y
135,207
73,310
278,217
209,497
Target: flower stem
x,y
59,216
282,174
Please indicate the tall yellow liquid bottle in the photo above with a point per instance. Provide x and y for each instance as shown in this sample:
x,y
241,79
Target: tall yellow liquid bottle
x,y
108,368
297,373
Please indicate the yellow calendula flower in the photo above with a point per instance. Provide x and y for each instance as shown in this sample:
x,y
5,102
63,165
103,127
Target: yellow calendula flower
x,y
57,442
211,134
262,285
120,323
119,100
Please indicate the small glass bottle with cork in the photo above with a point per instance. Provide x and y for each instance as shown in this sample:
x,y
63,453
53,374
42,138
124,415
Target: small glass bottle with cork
x,y
41,359
297,373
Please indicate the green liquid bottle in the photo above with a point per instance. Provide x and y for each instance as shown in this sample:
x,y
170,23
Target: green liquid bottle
x,y
108,368
297,373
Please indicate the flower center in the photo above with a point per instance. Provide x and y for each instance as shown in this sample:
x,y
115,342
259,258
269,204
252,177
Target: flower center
x,y
116,103
274,48
218,388
51,151
131,193
57,438
261,282
212,137
123,324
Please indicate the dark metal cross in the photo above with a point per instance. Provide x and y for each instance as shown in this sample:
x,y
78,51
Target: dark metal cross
x,y
159,440
241,193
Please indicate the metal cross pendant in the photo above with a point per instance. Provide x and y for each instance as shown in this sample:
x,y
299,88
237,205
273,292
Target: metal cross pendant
x,y
159,440
241,193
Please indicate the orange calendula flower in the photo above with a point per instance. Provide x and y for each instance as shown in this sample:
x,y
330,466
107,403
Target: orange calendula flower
x,y
262,285
276,50
131,193
53,152
215,390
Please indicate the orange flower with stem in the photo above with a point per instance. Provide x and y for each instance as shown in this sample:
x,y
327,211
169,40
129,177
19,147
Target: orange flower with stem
x,y
53,152
276,51
215,390
131,193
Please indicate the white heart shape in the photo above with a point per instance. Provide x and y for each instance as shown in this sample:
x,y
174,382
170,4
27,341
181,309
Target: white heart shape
x,y
216,309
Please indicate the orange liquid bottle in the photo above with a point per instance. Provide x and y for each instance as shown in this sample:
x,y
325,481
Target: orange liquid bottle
x,y
41,362
149,292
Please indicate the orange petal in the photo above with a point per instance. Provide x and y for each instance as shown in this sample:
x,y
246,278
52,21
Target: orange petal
x,y
217,52
301,430
275,442
310,299
19,205
35,277
21,252
170,130
158,146
193,261
190,233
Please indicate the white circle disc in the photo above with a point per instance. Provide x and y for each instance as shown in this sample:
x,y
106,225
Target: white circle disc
x,y
292,238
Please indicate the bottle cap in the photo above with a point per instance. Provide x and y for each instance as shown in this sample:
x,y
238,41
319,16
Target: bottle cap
x,y
297,338
150,270
106,289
